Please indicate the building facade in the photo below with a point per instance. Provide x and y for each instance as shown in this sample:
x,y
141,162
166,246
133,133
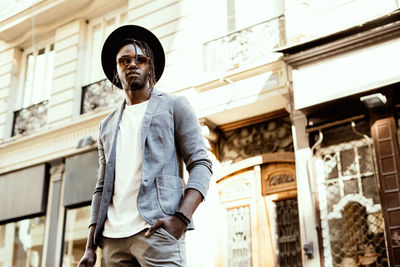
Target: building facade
x,y
347,135
293,184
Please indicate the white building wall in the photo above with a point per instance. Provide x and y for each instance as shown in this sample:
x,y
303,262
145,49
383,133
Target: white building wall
x,y
9,72
68,43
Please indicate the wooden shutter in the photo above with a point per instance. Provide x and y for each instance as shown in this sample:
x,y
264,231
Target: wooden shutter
x,y
388,160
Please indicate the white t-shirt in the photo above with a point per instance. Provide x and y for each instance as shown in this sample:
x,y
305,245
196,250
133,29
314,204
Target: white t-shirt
x,y
123,218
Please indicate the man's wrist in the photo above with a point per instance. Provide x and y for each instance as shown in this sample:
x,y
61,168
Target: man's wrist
x,y
182,217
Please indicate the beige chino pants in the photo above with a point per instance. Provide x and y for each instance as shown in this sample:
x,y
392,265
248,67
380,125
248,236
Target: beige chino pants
x,y
161,249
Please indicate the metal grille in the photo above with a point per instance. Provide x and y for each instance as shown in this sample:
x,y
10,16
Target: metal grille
x,y
352,224
30,119
289,254
100,94
239,237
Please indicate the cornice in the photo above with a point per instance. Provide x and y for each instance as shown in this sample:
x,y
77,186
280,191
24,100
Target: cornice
x,y
253,120
213,80
345,41
49,143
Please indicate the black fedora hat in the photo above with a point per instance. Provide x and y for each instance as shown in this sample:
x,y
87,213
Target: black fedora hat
x,y
113,41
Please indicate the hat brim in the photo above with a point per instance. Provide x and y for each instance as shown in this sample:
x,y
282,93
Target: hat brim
x,y
111,48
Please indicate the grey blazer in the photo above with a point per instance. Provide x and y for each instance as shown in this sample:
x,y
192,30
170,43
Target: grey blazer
x,y
170,135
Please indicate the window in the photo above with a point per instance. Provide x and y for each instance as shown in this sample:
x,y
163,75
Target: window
x,y
21,243
98,30
76,230
37,75
241,13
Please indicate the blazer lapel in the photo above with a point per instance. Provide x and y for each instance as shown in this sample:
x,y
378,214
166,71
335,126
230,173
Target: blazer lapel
x,y
110,167
154,101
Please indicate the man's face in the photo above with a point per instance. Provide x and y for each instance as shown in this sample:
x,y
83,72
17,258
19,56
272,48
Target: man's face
x,y
133,70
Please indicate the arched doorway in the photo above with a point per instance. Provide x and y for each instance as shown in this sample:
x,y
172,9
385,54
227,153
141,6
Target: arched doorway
x,y
259,223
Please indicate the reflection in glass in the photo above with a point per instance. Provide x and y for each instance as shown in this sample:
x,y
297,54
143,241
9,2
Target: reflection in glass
x,y
21,243
76,230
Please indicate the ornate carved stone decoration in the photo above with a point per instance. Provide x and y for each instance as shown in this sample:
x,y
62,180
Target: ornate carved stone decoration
x,y
248,45
100,94
235,188
239,237
30,119
266,137
277,177
57,170
281,179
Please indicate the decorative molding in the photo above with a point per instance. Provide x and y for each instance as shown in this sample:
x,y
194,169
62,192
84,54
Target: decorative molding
x,y
280,179
299,121
368,203
250,162
253,120
213,80
239,236
235,189
322,48
277,177
267,137
57,171
49,144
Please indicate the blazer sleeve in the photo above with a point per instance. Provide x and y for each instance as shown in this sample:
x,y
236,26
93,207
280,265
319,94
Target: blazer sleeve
x,y
191,145
98,191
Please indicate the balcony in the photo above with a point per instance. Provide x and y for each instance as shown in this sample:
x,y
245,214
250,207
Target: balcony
x,y
29,119
248,45
100,95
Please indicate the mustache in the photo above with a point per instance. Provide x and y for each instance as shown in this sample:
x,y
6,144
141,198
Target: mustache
x,y
132,72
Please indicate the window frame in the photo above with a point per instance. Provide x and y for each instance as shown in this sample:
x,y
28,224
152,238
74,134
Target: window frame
x,y
22,102
89,75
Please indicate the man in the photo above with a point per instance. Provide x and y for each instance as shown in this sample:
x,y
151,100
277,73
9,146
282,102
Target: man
x,y
140,206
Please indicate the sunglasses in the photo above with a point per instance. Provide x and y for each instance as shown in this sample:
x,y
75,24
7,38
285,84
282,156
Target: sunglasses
x,y
126,60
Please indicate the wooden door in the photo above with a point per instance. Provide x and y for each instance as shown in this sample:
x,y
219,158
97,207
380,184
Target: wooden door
x,y
259,213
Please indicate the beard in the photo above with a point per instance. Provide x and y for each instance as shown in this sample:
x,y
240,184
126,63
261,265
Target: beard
x,y
135,83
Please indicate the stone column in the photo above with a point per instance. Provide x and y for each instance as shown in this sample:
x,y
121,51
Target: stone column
x,y
54,217
307,204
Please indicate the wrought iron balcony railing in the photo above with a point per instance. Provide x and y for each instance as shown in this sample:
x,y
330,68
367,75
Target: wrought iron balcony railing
x,y
30,119
99,95
244,46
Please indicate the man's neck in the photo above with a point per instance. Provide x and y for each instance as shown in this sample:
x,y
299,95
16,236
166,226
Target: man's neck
x,y
133,97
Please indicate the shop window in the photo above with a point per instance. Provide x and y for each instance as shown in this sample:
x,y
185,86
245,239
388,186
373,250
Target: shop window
x,y
21,243
75,236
